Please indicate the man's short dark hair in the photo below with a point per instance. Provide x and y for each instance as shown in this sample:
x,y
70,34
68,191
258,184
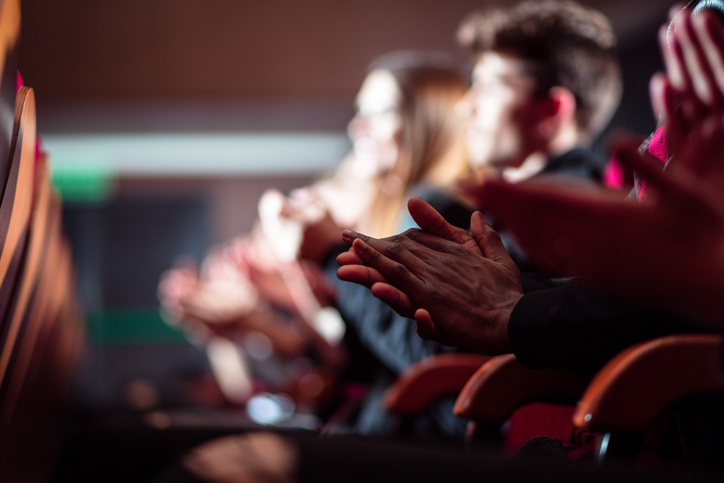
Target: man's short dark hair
x,y
563,44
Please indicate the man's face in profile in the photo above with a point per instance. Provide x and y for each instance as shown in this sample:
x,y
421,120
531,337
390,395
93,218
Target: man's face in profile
x,y
499,113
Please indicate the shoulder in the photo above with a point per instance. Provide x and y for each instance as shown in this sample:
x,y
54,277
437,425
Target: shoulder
x,y
577,163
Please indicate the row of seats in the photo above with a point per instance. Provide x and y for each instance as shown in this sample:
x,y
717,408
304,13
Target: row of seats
x,y
619,403
41,334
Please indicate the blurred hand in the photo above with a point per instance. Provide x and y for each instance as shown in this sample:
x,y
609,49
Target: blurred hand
x,y
176,284
669,250
320,233
692,89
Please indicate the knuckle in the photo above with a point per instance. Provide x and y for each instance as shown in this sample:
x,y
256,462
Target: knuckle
x,y
410,234
431,290
399,271
396,248
368,277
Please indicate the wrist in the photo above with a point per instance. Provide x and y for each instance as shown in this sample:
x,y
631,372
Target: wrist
x,y
492,334
499,340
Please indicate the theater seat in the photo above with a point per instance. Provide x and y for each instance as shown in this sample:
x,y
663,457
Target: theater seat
x,y
491,391
430,380
642,382
537,402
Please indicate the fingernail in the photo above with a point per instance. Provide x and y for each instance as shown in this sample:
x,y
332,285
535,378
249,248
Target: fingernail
x,y
359,244
347,233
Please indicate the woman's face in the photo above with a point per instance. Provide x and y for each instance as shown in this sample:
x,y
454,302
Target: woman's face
x,y
376,129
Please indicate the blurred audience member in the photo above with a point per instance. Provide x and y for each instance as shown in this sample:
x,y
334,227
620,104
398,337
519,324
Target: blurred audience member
x,y
493,310
678,229
405,134
674,237
546,82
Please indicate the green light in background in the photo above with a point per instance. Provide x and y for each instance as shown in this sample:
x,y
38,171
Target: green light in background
x,y
83,179
135,325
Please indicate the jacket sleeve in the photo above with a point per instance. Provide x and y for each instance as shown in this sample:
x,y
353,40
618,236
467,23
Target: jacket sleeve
x,y
575,327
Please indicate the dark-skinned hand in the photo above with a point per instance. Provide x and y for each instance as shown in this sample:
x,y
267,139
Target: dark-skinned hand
x,y
460,288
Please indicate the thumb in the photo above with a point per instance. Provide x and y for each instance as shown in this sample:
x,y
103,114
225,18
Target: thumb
x,y
429,220
488,239
427,330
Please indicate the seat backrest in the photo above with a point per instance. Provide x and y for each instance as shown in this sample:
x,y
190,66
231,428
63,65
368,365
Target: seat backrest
x,y
17,201
9,42
39,374
642,381
429,380
535,402
25,319
503,385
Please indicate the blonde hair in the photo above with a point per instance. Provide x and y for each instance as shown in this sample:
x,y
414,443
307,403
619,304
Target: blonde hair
x,y
432,149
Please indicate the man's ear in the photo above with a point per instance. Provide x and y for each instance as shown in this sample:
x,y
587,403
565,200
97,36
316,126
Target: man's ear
x,y
557,111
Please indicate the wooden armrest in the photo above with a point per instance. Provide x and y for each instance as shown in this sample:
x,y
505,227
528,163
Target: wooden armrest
x,y
502,385
429,380
643,380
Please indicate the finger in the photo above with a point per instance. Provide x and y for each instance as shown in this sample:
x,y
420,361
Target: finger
x,y
396,273
349,257
513,205
305,195
647,166
696,62
414,245
360,274
680,76
429,220
650,169
471,187
664,99
677,125
695,89
291,210
676,40
657,86
675,10
489,241
424,245
395,298
535,212
562,230
711,38
703,155
349,236
673,68
427,330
